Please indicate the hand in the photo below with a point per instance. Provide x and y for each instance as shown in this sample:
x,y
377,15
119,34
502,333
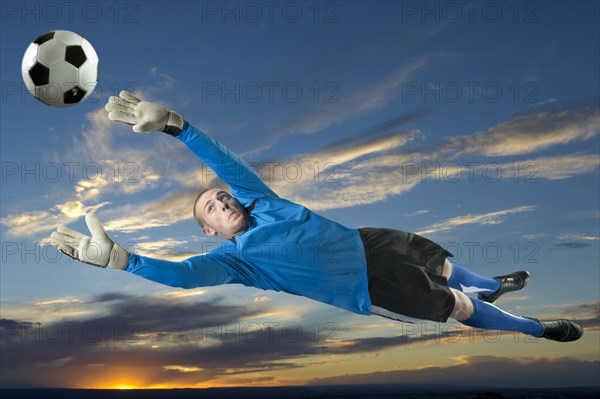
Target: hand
x,y
145,116
98,250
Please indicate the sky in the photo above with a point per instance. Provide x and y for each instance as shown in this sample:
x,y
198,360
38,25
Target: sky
x,y
474,124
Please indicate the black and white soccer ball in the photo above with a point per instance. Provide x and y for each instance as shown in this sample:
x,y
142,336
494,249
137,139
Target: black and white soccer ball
x,y
60,68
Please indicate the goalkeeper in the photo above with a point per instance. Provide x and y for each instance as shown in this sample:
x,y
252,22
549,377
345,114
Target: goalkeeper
x,y
275,244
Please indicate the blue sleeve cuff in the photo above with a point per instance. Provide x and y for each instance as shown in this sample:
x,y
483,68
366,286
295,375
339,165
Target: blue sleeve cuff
x,y
184,135
133,259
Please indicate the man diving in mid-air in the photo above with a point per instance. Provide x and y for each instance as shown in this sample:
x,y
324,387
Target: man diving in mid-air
x,y
386,272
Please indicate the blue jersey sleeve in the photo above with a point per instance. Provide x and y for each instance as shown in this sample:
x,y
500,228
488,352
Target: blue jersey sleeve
x,y
199,271
245,183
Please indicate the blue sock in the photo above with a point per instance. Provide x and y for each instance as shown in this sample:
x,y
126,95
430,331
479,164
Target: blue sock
x,y
486,315
466,281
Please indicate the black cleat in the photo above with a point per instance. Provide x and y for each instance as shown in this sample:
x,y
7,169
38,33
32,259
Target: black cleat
x,y
560,330
511,282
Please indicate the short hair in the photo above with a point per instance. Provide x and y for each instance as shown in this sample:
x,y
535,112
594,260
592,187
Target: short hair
x,y
197,217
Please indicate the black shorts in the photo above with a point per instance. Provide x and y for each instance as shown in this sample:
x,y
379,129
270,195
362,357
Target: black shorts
x,y
405,274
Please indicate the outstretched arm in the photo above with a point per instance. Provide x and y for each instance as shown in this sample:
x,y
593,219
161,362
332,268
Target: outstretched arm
x,y
245,183
214,268
198,271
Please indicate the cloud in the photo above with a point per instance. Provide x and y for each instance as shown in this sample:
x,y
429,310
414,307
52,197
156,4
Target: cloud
x,y
262,299
577,236
163,249
115,170
529,133
482,219
187,341
167,82
210,340
591,214
75,209
570,245
389,127
147,335
185,293
552,168
27,223
416,213
586,313
532,236
119,168
345,174
369,167
487,371
340,154
168,210
360,101
149,247
59,300
340,185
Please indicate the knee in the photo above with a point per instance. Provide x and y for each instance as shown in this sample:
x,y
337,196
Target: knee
x,y
447,269
463,307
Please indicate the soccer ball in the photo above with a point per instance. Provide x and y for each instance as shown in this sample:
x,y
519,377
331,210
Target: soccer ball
x,y
60,68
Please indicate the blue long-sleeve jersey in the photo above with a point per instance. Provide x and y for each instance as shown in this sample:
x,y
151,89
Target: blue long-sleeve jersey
x,y
286,248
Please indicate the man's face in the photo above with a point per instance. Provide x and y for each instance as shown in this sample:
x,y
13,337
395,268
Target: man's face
x,y
223,214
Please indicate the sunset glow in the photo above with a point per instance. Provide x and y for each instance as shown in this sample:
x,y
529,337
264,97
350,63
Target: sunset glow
x,y
123,386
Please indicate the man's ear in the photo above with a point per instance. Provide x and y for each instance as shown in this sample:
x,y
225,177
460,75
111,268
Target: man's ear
x,y
208,231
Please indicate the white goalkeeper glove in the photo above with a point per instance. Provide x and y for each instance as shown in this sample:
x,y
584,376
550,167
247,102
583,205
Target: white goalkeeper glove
x,y
98,250
143,115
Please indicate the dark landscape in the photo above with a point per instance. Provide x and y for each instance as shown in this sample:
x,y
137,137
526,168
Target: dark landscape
x,y
310,392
